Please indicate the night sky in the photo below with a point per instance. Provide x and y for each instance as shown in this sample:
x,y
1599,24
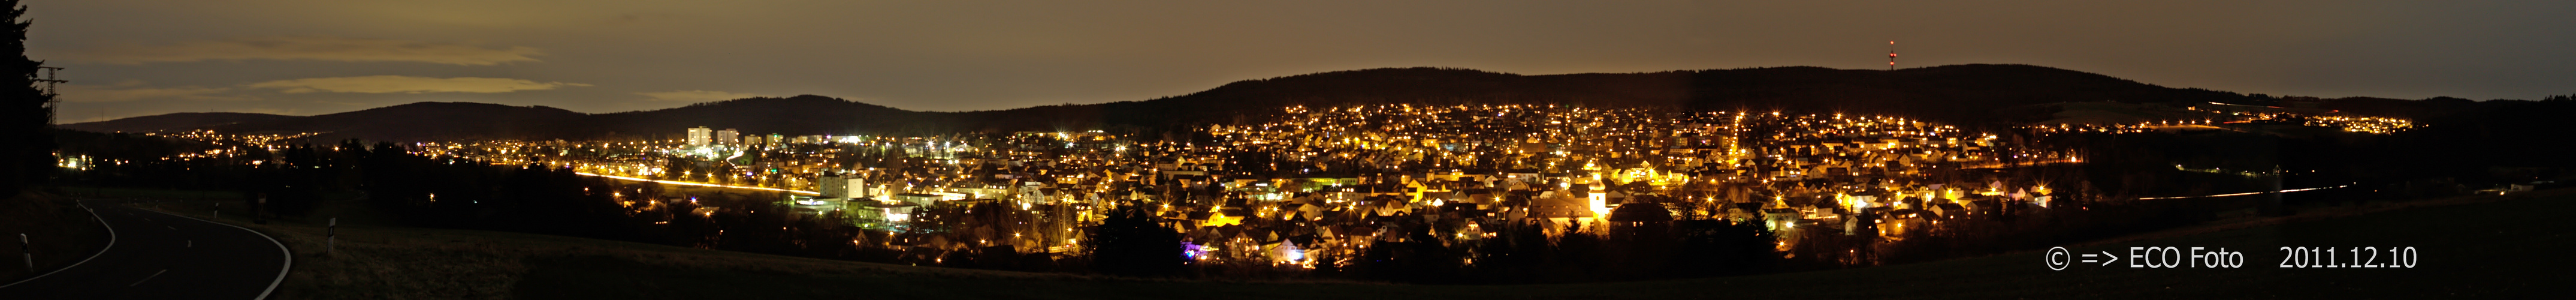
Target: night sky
x,y
298,57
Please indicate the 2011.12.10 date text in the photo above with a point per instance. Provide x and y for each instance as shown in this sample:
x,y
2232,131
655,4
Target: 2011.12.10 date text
x,y
2340,257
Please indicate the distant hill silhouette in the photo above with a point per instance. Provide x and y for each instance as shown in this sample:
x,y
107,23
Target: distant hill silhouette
x,y
1969,94
427,121
172,121
1956,93
799,115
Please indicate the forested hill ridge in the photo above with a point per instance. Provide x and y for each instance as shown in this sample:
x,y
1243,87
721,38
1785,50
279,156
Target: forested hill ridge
x,y
1968,94
1956,93
172,121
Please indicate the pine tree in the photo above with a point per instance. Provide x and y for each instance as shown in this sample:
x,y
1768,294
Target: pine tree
x,y
1131,243
26,150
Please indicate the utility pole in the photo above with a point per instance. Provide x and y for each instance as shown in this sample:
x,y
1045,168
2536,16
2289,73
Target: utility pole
x,y
50,82
50,98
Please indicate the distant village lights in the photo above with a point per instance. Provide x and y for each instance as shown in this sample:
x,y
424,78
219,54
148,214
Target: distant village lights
x,y
1315,170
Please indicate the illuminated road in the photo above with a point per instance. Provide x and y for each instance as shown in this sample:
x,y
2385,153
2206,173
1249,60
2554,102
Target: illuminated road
x,y
698,184
1999,165
2249,193
153,255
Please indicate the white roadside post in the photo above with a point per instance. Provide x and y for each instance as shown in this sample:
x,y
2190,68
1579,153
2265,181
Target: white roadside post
x,y
30,249
219,210
331,236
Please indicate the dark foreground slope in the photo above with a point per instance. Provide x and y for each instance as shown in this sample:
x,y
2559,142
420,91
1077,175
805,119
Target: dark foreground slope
x,y
2467,249
2472,251
58,233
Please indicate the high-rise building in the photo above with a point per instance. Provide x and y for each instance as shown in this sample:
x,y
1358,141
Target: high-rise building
x,y
858,187
831,186
728,137
835,185
775,139
751,140
699,136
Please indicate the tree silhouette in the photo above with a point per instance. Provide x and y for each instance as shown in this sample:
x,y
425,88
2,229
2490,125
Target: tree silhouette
x,y
1131,243
26,150
1721,247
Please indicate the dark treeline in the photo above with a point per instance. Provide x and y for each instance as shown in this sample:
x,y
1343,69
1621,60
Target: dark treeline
x,y
536,198
143,161
1649,247
2461,145
473,194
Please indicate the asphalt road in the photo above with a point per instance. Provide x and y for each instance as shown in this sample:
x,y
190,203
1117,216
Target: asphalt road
x,y
155,255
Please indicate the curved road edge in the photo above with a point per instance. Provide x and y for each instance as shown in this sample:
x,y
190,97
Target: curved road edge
x,y
281,248
111,244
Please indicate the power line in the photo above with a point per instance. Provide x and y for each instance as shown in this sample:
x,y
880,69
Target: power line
x,y
50,98
49,80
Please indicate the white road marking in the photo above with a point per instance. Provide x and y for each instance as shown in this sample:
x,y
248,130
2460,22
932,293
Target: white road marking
x,y
192,243
148,278
171,228
111,244
282,252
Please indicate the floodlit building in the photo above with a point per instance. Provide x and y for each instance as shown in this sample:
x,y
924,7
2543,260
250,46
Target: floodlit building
x,y
858,187
1287,252
922,199
831,186
1634,221
700,136
880,214
728,137
813,139
837,186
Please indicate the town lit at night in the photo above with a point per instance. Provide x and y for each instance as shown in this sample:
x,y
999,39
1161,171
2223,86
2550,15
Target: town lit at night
x,y
1327,150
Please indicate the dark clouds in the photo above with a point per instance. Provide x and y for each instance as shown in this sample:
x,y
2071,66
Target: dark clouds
x,y
303,48
149,57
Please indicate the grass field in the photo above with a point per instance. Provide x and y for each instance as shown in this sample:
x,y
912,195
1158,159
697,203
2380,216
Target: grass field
x,y
111,192
56,231
2481,248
